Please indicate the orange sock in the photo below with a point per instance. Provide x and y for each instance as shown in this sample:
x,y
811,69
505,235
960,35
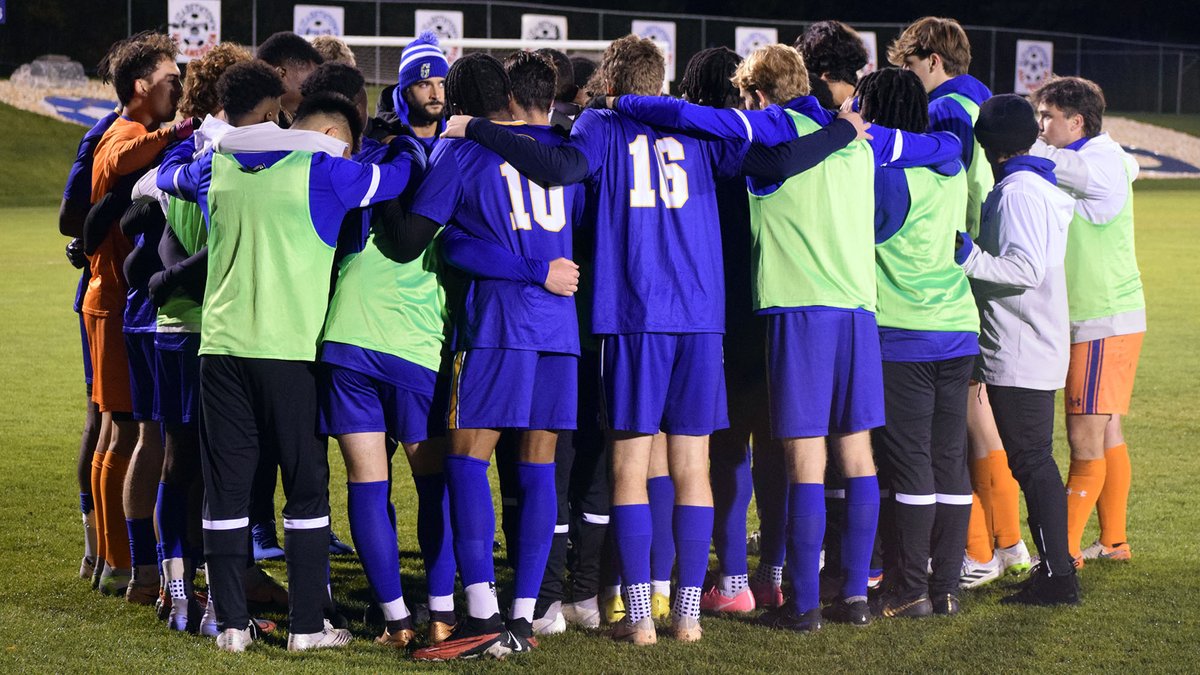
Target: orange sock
x,y
1006,513
112,482
98,501
1114,498
979,541
1084,483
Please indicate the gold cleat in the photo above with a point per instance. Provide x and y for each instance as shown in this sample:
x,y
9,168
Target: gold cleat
x,y
439,631
400,639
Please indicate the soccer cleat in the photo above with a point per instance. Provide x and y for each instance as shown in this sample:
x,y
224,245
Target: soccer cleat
x,y
945,604
87,567
142,594
265,541
612,608
98,573
890,606
328,638
263,589
472,638
686,629
856,613
551,622
234,640
441,625
208,621
177,614
338,547
1098,551
583,613
640,633
399,639
1014,559
974,573
114,581
716,602
660,606
1044,589
766,595
786,618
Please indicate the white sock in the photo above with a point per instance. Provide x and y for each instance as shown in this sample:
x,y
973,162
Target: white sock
x,y
687,602
661,587
522,608
173,573
89,534
441,603
732,585
481,600
769,574
394,610
637,602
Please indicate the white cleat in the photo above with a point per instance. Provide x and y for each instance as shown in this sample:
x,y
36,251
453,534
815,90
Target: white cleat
x,y
328,638
177,618
1014,559
208,622
584,613
234,640
552,622
975,574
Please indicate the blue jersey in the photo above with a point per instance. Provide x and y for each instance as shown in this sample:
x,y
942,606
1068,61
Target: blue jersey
x,y
947,115
658,262
475,189
79,184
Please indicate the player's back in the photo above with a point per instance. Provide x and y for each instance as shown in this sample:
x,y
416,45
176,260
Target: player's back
x,y
658,242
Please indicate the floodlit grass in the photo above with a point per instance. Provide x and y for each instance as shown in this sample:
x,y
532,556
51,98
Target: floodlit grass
x,y
1138,617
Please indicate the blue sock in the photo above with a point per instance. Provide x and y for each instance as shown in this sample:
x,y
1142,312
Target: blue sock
x,y
86,504
662,547
693,528
806,529
858,533
142,543
537,513
434,534
374,538
771,493
733,486
472,517
171,513
633,531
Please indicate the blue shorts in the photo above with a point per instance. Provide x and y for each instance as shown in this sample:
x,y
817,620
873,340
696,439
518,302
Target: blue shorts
x,y
140,347
87,353
513,389
669,382
825,373
352,402
177,385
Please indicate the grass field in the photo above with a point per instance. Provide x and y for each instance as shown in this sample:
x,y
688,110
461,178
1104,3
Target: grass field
x,y
1140,616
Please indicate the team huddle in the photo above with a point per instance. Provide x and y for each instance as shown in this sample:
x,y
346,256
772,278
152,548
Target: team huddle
x,y
851,298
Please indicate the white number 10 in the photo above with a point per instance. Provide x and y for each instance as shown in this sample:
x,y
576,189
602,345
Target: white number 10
x,y
672,178
548,209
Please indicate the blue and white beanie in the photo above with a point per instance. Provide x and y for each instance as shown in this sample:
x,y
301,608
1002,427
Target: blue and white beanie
x,y
420,60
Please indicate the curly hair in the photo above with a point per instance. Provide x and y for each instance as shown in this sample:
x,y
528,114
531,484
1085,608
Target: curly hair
x,y
334,50
1075,96
633,65
477,85
706,80
894,98
244,85
200,83
334,76
832,48
137,59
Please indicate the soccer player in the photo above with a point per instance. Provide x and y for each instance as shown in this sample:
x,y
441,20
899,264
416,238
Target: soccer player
x,y
929,337
294,59
938,51
516,348
1019,280
146,80
334,50
264,194
419,97
1107,308
564,110
833,53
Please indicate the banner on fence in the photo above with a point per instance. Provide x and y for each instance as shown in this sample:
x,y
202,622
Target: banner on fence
x,y
1035,63
662,32
195,26
444,24
319,20
869,41
748,38
543,27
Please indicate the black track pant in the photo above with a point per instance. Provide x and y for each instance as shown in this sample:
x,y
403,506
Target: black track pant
x,y
922,456
1025,420
256,407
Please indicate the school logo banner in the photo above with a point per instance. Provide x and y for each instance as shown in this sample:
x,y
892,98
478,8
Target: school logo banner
x,y
543,27
318,20
869,41
444,24
662,32
1035,63
195,26
747,39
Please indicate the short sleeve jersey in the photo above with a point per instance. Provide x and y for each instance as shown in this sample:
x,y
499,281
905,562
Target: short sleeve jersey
x,y
474,188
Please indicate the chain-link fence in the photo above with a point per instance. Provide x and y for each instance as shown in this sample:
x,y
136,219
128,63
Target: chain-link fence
x,y
1136,76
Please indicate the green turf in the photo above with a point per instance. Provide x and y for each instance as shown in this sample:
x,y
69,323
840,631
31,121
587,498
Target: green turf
x,y
1138,617
36,151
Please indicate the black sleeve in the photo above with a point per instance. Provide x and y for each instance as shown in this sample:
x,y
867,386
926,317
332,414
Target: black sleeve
x,y
550,165
189,274
100,218
142,218
71,216
401,234
170,249
777,163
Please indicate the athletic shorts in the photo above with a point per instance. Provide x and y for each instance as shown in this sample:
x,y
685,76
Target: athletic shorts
x,y
87,352
353,403
1100,377
140,348
110,363
825,373
177,381
664,382
513,389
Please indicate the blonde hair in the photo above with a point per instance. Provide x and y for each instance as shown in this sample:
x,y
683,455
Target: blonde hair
x,y
333,48
934,35
778,71
200,83
633,65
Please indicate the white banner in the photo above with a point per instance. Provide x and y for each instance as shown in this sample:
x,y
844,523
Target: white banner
x,y
543,27
1035,63
868,40
747,39
319,20
195,26
662,32
444,24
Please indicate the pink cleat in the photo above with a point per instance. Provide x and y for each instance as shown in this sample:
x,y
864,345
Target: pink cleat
x,y
716,602
766,596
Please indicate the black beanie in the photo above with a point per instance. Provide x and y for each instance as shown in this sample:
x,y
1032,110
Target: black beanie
x,y
1006,124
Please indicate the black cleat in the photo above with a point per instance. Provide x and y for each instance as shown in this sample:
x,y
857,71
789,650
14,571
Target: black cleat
x,y
856,613
786,618
890,605
1045,589
945,604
